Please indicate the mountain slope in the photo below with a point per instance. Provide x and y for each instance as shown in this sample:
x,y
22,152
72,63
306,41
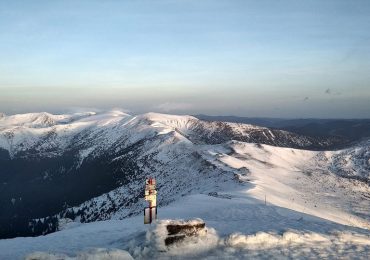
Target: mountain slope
x,y
343,131
306,214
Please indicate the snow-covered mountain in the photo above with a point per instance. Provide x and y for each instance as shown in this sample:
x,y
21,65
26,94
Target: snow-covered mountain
x,y
54,134
92,166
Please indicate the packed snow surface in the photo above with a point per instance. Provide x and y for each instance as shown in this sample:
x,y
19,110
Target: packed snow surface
x,y
237,228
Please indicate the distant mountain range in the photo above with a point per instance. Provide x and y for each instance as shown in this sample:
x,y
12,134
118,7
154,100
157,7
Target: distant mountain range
x,y
349,130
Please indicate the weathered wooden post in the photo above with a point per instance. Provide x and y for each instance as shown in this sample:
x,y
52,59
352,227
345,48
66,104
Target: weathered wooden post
x,y
150,213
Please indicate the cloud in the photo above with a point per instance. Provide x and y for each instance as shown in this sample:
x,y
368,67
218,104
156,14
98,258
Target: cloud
x,y
95,109
121,109
173,106
76,109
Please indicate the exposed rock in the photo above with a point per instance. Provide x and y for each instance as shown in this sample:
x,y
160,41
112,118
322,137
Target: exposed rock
x,y
179,230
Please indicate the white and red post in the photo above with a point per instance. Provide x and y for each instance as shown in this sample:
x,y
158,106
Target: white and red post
x,y
150,213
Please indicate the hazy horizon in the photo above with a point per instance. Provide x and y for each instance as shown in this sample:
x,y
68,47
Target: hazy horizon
x,y
72,110
277,59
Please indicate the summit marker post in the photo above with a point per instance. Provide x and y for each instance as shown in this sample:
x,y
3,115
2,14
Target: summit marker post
x,y
150,213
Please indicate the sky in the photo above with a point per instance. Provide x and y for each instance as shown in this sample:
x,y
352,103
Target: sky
x,y
262,58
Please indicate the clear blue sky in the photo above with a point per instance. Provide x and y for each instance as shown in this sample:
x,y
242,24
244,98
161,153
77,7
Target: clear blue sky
x,y
273,58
